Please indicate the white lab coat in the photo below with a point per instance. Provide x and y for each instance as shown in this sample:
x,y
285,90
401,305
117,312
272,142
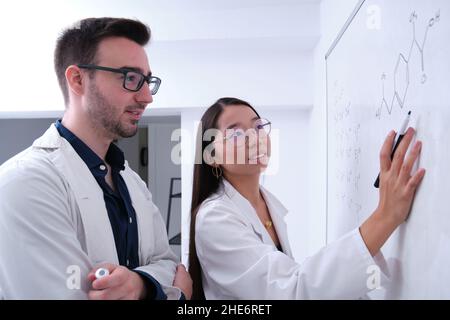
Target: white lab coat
x,y
240,261
54,224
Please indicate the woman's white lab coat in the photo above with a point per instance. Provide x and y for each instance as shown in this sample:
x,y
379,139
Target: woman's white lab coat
x,y
54,226
240,261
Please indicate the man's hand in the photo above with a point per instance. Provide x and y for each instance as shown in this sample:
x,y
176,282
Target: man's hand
x,y
183,281
120,284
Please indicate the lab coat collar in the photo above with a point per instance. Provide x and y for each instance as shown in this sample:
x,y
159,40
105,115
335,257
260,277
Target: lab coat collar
x,y
114,156
268,196
49,140
276,209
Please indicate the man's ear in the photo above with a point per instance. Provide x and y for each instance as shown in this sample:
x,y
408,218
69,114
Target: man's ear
x,y
75,80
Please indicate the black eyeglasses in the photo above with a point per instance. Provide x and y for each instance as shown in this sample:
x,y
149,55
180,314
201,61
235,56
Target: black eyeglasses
x,y
132,79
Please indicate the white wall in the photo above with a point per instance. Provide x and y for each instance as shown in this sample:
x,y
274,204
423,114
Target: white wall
x,y
272,73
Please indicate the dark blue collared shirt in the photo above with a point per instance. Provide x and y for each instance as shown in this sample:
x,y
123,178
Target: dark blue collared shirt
x,y
118,205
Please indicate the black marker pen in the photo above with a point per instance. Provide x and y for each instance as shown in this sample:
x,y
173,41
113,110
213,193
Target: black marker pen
x,y
398,139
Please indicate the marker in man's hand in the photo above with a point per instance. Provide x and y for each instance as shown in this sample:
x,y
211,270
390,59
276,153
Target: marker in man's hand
x,y
101,272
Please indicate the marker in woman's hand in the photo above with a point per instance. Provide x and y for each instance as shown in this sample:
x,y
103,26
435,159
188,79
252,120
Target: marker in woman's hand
x,y
398,138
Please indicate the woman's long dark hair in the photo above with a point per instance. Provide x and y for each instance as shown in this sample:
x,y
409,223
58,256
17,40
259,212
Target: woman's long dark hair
x,y
204,184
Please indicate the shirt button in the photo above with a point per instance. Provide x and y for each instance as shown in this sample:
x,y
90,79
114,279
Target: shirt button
x,y
131,220
102,167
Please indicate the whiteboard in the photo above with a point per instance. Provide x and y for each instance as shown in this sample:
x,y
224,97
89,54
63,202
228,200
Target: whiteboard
x,y
392,57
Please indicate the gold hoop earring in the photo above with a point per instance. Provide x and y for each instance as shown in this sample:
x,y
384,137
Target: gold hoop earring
x,y
217,172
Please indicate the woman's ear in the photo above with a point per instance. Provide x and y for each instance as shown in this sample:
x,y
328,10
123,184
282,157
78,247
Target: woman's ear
x,y
74,78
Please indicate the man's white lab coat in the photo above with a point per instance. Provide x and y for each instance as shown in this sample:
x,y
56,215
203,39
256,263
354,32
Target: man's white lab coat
x,y
54,226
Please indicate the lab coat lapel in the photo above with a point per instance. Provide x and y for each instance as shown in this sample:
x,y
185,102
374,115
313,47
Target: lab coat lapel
x,y
277,213
248,211
88,195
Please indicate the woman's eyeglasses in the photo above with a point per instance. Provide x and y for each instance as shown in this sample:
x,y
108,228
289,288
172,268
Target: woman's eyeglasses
x,y
261,126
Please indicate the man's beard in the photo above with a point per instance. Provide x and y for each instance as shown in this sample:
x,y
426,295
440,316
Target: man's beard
x,y
107,117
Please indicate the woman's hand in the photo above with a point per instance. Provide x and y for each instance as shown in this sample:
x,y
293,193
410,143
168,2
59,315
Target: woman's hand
x,y
397,190
397,186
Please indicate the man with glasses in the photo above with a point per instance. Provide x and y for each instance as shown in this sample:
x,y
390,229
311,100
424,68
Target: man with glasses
x,y
70,204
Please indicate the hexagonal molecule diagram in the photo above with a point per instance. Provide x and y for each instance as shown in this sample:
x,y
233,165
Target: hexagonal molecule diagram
x,y
401,76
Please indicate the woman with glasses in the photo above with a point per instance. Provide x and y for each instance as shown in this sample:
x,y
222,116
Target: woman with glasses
x,y
239,247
